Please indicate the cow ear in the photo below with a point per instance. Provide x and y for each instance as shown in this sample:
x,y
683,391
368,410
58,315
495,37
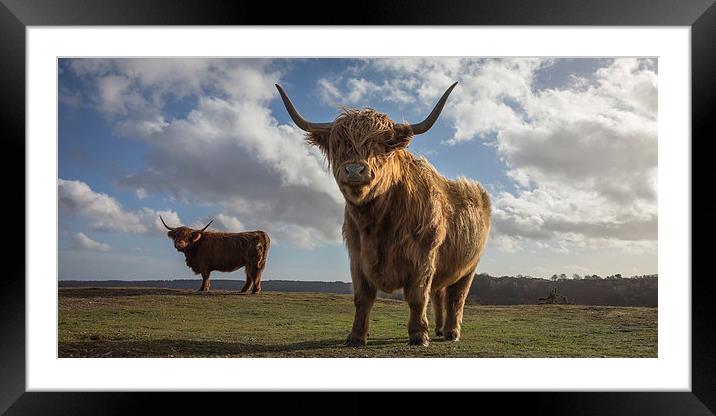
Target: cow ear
x,y
196,237
171,234
400,138
319,139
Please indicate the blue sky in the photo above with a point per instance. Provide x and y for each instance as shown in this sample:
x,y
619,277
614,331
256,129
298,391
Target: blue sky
x,y
566,147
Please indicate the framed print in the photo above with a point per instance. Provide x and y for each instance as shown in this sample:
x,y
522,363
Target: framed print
x,y
275,150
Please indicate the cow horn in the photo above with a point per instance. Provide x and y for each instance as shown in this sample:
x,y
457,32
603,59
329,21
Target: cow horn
x,y
207,226
425,125
300,121
165,224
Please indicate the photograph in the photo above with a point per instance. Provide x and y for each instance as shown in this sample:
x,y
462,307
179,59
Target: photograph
x,y
492,199
357,207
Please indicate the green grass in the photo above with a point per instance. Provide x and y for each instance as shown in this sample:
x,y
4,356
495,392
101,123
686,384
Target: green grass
x,y
132,322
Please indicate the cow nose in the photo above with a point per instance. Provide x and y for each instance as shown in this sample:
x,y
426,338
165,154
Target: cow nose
x,y
354,169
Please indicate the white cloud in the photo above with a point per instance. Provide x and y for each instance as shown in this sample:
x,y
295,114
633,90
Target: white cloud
x,y
583,156
221,222
141,193
106,214
114,95
229,151
633,83
361,92
504,243
82,242
329,92
586,161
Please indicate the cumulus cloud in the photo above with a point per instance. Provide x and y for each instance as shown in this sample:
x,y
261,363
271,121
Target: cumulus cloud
x,y
360,91
505,243
228,152
82,242
76,198
585,161
141,193
583,156
221,222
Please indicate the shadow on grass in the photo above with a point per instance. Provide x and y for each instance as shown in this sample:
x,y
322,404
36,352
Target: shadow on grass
x,y
191,348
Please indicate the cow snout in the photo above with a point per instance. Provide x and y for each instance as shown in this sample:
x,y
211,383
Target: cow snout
x,y
356,172
354,169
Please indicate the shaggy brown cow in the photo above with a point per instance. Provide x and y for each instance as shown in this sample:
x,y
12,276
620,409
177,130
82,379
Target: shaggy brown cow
x,y
405,225
206,251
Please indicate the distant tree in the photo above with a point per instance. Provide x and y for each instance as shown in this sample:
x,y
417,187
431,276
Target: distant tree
x,y
576,277
554,298
554,277
618,275
562,276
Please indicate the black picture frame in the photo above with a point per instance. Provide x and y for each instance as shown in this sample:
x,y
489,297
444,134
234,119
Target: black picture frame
x,y
16,15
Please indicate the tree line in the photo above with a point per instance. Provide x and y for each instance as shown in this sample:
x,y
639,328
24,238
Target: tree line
x,y
485,289
589,290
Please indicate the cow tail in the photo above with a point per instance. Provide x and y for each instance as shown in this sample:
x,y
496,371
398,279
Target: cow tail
x,y
263,249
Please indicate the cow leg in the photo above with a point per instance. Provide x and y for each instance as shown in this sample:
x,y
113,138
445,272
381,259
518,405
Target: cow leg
x,y
249,280
254,275
205,283
416,295
247,285
363,298
455,302
437,297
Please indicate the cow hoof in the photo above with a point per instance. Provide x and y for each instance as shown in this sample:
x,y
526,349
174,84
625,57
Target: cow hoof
x,y
420,340
452,335
203,289
438,332
352,341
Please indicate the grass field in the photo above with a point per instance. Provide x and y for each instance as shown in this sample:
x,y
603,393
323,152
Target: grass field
x,y
131,322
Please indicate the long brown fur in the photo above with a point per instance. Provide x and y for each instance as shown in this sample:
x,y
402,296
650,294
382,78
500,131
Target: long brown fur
x,y
408,227
210,251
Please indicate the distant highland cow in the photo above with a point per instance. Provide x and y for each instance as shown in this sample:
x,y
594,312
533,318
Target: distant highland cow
x,y
405,225
207,251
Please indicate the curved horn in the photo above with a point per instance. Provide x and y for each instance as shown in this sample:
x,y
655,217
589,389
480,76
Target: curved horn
x,y
300,121
165,224
207,226
425,125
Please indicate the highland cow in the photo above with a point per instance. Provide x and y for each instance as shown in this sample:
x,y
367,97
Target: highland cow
x,y
405,225
207,251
